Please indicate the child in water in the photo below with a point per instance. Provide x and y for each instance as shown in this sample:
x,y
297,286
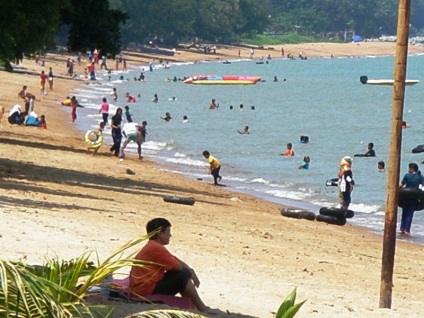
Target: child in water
x,y
305,163
289,151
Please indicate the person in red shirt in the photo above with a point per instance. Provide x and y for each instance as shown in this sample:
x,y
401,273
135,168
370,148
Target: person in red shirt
x,y
43,78
167,275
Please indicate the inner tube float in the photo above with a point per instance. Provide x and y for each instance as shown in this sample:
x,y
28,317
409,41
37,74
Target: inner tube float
x,y
338,213
298,214
304,139
411,193
418,149
331,219
66,102
93,138
332,182
179,200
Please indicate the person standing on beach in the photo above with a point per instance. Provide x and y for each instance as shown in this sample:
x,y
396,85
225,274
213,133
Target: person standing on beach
x,y
104,110
43,79
345,182
165,274
412,180
214,167
50,79
74,105
116,132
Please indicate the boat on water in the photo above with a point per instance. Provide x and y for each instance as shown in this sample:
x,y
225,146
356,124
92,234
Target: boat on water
x,y
222,80
364,80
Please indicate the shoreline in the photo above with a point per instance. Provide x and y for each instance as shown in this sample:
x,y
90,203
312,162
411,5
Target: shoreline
x,y
56,199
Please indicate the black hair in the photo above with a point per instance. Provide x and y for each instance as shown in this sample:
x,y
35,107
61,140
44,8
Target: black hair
x,y
157,225
382,164
371,145
206,153
413,166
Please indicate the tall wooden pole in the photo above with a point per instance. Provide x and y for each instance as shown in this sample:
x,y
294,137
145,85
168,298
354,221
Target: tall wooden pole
x,y
389,242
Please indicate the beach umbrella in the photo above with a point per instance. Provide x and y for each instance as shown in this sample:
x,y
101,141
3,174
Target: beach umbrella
x,y
357,38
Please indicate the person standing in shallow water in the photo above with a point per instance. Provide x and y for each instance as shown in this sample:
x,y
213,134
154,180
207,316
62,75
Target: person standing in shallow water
x,y
412,180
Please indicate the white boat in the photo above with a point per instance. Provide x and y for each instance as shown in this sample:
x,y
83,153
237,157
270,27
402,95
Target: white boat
x,y
365,80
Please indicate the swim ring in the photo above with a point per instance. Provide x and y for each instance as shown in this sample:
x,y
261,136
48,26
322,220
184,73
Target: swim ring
x,y
93,138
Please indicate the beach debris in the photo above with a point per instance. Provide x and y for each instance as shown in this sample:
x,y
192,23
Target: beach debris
x,y
129,171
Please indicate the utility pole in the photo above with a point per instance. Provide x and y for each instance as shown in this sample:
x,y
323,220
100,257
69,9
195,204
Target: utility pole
x,y
392,189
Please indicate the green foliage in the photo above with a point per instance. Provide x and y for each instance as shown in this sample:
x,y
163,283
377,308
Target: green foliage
x,y
52,290
288,309
92,24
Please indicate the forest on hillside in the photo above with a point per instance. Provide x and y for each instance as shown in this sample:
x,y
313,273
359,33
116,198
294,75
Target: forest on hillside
x,y
81,25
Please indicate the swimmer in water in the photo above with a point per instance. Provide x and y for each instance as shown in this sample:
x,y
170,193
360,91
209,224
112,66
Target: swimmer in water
x,y
245,131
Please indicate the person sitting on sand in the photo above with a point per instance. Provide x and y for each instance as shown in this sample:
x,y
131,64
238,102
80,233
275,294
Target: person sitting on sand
x,y
16,117
165,274
167,117
22,92
289,151
245,131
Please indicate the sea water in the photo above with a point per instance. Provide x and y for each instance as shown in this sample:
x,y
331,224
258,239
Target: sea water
x,y
321,98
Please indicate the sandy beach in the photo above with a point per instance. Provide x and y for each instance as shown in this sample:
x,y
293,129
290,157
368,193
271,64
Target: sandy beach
x,y
56,200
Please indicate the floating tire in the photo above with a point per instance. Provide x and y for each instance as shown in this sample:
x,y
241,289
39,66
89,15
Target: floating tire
x,y
331,219
332,182
410,193
338,213
298,214
179,200
418,149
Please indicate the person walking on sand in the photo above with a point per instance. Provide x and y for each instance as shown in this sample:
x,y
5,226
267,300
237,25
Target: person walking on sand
x,y
104,110
165,274
345,182
412,180
116,132
214,167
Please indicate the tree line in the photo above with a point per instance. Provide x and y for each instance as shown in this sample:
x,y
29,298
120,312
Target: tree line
x,y
28,26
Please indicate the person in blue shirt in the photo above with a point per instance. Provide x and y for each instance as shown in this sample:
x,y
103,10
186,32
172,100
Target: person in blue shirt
x,y
305,163
413,179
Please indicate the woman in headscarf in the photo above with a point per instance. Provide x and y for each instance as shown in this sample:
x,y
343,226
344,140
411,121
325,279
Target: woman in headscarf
x,y
16,116
346,182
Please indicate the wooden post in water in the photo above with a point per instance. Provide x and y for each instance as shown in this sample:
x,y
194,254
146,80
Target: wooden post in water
x,y
389,239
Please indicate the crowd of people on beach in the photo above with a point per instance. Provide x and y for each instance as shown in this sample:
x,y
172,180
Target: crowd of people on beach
x,y
25,116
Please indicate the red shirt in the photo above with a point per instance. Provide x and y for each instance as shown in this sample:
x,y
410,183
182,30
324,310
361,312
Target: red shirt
x,y
43,78
143,279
